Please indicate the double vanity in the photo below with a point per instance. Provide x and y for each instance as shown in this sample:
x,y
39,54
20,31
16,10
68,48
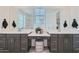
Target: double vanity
x,y
57,42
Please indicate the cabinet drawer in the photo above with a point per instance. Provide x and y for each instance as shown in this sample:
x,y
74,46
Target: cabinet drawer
x,y
76,45
2,42
77,49
54,41
24,42
23,48
24,36
54,50
53,46
24,45
17,36
75,35
2,35
24,39
75,39
54,35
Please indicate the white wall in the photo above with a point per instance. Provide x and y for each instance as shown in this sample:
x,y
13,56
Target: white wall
x,y
51,19
75,14
69,13
66,13
4,13
10,13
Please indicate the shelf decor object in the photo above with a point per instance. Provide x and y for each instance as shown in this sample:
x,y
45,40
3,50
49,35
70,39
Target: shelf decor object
x,y
58,20
65,24
14,24
38,30
4,24
74,23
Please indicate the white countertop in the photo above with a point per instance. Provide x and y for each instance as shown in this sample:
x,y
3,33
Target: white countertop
x,y
44,34
63,32
15,32
67,31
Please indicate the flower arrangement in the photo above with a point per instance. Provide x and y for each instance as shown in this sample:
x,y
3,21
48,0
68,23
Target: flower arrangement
x,y
38,30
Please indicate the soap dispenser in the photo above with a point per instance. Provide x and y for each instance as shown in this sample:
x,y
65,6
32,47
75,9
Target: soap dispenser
x,y
74,23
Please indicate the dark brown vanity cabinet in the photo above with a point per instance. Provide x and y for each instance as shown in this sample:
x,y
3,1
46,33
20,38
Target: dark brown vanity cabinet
x,y
56,43
75,42
24,43
3,43
61,43
13,42
53,43
67,43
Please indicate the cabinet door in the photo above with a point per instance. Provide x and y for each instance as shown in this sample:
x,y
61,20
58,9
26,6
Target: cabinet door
x,y
24,43
48,43
10,43
76,42
53,47
17,42
3,42
60,43
67,43
13,42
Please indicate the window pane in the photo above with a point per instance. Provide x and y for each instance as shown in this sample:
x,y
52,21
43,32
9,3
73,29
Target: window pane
x,y
39,17
37,21
21,20
39,12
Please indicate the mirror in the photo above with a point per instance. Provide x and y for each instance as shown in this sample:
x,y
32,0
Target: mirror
x,y
46,18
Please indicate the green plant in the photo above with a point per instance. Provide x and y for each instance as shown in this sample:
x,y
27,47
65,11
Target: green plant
x,y
38,29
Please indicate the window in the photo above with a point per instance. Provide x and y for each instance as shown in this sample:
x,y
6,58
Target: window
x,y
39,11
39,17
21,20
